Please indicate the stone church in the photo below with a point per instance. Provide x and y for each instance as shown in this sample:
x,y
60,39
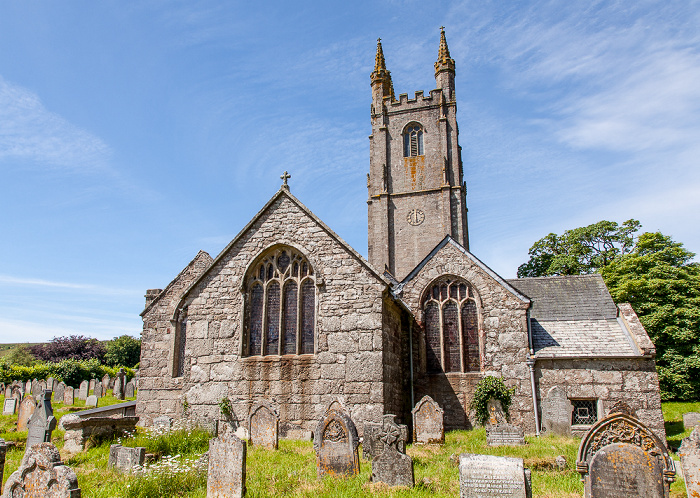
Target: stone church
x,y
290,314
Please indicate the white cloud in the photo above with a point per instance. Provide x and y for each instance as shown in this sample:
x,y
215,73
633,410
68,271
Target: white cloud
x,y
36,282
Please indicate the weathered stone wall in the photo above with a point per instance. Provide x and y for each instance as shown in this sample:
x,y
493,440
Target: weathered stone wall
x,y
632,380
397,380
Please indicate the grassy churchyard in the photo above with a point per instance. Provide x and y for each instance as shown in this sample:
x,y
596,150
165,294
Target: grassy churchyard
x,y
291,471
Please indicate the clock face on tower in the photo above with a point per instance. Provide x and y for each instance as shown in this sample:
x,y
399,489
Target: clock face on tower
x,y
415,217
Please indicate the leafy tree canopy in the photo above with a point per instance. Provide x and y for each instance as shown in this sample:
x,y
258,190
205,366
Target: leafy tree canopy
x,y
74,347
123,351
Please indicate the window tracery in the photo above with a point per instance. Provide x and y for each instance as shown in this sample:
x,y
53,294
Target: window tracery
x,y
413,140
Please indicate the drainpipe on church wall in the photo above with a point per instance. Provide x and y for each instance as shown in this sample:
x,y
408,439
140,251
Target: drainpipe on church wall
x,y
531,365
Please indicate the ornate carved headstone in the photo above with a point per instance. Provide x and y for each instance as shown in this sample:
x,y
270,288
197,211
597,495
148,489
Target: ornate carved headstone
x,y
691,419
26,409
68,396
428,422
83,390
372,444
9,406
59,392
42,475
42,423
129,389
689,452
227,461
336,404
263,425
620,457
621,407
119,382
487,476
125,459
335,443
392,466
556,412
91,401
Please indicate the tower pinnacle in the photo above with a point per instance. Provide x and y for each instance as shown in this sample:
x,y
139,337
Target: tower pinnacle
x,y
380,76
444,61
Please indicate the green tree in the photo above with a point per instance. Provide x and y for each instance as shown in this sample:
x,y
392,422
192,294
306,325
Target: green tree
x,y
660,281
20,355
580,250
123,351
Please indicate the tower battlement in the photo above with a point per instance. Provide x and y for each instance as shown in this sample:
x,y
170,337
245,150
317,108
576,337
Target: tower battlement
x,y
420,99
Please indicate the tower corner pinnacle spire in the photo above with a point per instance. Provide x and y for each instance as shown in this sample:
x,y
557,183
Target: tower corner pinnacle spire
x,y
444,61
380,74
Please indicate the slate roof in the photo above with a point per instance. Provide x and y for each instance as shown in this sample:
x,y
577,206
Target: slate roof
x,y
574,316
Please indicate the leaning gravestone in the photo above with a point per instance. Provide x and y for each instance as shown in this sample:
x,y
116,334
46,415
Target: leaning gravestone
x,y
428,422
263,425
392,467
91,401
125,459
68,396
373,445
129,389
59,392
9,406
26,409
98,390
335,443
42,423
691,419
556,412
487,476
620,457
83,391
42,475
227,461
690,462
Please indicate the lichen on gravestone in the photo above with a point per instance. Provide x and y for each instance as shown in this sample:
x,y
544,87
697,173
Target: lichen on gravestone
x,y
42,423
392,466
42,475
336,444
226,473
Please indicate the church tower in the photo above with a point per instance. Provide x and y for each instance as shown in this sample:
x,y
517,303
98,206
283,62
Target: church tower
x,y
416,188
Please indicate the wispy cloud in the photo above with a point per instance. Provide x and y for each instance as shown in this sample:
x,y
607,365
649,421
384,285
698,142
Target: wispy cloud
x,y
28,130
36,282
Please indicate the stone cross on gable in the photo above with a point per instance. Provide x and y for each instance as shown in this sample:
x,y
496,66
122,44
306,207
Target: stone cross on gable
x,y
285,176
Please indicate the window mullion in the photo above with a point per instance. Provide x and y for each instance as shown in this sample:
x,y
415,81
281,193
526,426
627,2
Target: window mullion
x,y
280,330
298,318
442,336
263,331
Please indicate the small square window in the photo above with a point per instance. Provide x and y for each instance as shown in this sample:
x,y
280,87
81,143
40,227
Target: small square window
x,y
585,412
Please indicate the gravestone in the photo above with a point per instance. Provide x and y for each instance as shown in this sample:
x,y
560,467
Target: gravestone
x,y
556,412
3,453
691,419
42,423
263,425
17,394
620,457
83,390
98,390
428,422
68,396
8,392
91,385
119,382
105,384
335,443
9,406
42,475
487,476
129,390
392,466
42,386
227,462
26,409
36,388
689,452
163,423
495,411
28,387
372,444
336,404
91,401
504,434
125,459
50,383
59,392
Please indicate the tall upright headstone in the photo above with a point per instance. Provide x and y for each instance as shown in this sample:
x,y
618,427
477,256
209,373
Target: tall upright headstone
x,y
3,453
227,462
428,422
492,477
28,387
620,457
263,425
105,384
8,392
130,389
119,383
42,423
50,383
59,392
392,466
98,390
335,443
83,390
9,406
556,412
68,396
91,385
42,475
36,387
689,452
26,409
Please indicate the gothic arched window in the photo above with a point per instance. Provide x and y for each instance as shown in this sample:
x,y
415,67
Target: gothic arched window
x,y
180,343
413,140
281,297
451,323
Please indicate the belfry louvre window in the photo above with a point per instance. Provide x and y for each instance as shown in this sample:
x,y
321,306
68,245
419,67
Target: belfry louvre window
x,y
413,140
281,297
451,324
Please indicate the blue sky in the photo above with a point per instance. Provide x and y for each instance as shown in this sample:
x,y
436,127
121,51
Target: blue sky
x,y
133,134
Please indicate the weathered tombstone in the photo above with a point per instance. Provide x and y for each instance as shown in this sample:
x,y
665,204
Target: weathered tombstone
x,y
335,443
227,461
68,396
42,423
98,390
690,463
556,412
83,390
691,419
263,425
36,388
8,392
59,392
91,385
495,411
492,477
504,434
91,401
428,422
620,457
163,423
3,452
119,382
42,386
105,384
372,444
129,390
336,404
9,406
392,466
42,475
50,383
125,459
28,387
17,394
26,409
